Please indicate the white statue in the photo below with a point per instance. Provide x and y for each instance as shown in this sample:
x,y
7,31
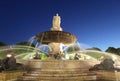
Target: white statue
x,y
56,23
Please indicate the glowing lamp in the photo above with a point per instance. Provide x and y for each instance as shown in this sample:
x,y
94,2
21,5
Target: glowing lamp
x,y
9,55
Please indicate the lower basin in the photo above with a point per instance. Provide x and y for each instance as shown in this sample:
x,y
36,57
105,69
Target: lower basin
x,y
58,70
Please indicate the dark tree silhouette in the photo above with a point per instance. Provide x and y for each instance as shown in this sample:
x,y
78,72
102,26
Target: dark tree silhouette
x,y
118,50
113,50
94,48
25,43
2,44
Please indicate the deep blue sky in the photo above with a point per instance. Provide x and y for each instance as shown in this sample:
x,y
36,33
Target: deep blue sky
x,y
95,22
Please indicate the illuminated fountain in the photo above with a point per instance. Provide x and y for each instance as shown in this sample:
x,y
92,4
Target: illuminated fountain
x,y
56,38
53,69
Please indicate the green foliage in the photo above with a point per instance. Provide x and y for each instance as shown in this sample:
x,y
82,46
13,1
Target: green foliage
x,y
3,54
113,50
2,44
73,49
118,50
43,57
26,44
94,48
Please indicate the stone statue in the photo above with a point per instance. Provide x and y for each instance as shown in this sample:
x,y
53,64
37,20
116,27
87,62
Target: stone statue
x,y
106,64
56,23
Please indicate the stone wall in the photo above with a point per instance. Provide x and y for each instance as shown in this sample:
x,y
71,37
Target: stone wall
x,y
115,76
10,76
60,65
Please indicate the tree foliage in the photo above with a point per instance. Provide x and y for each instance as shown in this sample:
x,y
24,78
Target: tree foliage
x,y
26,44
2,44
73,49
113,50
94,48
118,50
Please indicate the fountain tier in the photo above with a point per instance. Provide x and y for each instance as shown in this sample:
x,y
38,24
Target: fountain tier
x,y
58,70
56,38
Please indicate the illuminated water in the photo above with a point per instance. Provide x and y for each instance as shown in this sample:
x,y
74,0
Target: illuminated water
x,y
43,49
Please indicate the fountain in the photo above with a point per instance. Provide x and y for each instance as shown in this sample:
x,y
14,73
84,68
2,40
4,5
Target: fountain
x,y
56,63
56,38
54,69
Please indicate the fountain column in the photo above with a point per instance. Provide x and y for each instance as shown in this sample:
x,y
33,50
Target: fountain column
x,y
56,48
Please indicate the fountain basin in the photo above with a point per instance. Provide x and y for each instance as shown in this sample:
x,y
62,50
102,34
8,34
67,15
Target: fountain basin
x,y
59,64
10,75
58,70
56,36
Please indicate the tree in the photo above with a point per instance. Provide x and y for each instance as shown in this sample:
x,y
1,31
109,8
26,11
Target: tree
x,y
112,50
118,51
73,48
26,44
94,48
2,44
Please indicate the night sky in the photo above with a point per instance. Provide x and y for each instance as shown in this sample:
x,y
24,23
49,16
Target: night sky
x,y
96,23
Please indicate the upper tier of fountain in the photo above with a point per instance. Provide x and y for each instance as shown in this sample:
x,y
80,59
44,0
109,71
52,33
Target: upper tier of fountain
x,y
56,35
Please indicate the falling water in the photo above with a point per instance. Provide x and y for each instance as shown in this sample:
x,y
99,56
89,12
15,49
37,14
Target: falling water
x,y
92,54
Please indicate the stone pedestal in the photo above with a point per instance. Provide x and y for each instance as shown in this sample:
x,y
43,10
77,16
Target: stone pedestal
x,y
58,70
